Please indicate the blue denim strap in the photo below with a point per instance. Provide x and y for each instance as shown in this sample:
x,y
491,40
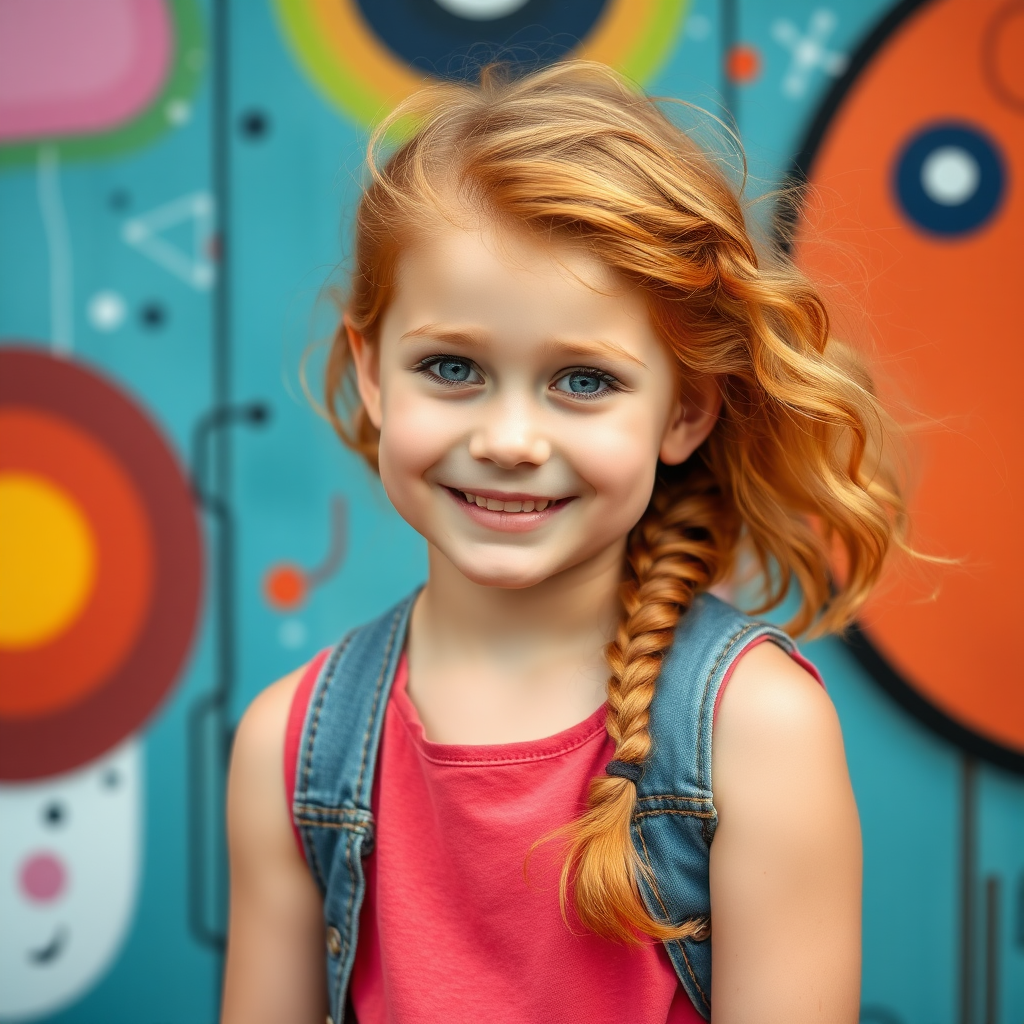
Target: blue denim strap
x,y
334,780
675,817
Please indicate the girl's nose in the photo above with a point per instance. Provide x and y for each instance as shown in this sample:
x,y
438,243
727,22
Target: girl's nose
x,y
509,437
43,877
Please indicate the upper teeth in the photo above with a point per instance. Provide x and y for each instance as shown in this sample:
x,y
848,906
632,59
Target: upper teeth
x,y
506,506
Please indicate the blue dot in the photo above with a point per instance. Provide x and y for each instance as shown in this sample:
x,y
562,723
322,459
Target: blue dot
x,y
950,179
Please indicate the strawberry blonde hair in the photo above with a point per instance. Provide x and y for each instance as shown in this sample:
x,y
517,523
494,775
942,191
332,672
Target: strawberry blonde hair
x,y
798,469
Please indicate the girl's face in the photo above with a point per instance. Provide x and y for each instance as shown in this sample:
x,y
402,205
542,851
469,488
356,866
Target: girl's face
x,y
523,401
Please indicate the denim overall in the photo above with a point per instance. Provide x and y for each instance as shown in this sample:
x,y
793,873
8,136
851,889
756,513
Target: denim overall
x,y
674,820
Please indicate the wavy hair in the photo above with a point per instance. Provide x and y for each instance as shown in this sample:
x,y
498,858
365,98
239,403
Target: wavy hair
x,y
799,470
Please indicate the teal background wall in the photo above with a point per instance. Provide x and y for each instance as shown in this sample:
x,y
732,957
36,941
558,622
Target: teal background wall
x,y
258,142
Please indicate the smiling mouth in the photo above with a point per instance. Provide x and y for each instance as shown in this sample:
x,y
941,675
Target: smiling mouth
x,y
51,950
512,504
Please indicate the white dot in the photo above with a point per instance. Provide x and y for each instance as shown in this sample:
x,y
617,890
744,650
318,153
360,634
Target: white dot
x,y
481,10
292,633
178,112
106,311
698,26
950,175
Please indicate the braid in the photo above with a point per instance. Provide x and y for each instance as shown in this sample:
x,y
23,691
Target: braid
x,y
673,553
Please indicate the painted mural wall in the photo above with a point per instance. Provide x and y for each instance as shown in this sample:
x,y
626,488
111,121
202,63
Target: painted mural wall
x,y
178,527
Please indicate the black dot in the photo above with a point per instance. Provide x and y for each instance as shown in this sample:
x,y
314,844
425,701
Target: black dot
x,y
254,124
120,199
153,315
111,778
55,813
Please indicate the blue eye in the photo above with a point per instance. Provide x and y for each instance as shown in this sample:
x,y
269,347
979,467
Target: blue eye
x,y
450,370
585,383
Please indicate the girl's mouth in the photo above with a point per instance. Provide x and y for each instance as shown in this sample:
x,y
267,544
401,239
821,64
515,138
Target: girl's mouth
x,y
510,512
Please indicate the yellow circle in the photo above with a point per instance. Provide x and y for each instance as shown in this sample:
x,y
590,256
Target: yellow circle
x,y
47,560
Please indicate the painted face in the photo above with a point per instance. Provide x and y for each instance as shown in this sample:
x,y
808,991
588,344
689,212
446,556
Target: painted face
x,y
524,400
69,868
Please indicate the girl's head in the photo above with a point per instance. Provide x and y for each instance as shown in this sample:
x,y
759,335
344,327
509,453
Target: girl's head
x,y
555,300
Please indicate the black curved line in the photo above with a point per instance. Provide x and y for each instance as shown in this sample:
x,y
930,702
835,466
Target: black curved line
x,y
910,699
52,949
988,61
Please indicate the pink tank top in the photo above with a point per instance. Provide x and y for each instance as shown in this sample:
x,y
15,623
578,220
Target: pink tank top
x,y
450,929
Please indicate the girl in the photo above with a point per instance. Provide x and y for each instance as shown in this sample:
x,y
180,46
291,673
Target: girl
x,y
548,785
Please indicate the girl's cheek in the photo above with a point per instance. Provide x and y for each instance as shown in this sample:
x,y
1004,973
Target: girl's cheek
x,y
616,458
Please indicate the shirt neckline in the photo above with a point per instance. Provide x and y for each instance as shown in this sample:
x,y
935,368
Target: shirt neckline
x,y
467,754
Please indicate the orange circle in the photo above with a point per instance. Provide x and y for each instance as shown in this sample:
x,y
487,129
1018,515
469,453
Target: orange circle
x,y
285,586
942,316
743,64
77,662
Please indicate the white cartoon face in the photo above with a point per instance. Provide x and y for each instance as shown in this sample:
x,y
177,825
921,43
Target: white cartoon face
x,y
69,872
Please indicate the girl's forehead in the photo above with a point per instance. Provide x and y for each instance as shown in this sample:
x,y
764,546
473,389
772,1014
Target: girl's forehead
x,y
478,246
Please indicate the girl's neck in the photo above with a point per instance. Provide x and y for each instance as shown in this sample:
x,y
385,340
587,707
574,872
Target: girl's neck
x,y
494,665
576,607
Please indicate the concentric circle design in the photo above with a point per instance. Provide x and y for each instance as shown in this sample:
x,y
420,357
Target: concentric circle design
x,y
100,565
950,178
368,55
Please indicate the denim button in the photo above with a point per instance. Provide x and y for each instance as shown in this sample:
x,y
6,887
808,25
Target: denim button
x,y
333,941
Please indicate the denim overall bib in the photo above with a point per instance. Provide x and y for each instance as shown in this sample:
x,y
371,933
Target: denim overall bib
x,y
674,820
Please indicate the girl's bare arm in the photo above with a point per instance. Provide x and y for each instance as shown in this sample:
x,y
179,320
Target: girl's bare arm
x,y
786,859
275,956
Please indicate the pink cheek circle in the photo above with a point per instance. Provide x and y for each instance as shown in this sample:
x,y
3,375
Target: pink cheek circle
x,y
43,877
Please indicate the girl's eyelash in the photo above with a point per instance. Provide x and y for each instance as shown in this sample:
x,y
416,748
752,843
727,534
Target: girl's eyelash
x,y
424,367
613,382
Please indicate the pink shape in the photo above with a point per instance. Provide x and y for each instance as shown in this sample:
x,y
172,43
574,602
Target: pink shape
x,y
69,67
43,877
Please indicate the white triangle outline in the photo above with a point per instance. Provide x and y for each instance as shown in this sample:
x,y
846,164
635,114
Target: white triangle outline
x,y
143,233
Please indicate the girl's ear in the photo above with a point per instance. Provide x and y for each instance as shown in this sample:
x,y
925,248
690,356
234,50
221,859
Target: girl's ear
x,y
693,418
366,359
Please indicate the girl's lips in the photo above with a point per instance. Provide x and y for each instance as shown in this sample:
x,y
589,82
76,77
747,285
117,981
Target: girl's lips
x,y
508,522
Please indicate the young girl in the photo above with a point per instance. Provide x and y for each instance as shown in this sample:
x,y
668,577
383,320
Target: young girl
x,y
548,785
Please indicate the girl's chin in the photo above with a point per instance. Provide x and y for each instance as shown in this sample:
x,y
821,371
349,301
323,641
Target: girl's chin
x,y
503,575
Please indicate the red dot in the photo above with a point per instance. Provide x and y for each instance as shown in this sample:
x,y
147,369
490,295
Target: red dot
x,y
43,877
285,586
743,64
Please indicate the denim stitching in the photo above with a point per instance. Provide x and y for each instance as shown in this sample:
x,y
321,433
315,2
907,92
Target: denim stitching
x,y
667,810
327,675
768,631
355,814
306,822
311,847
661,903
676,796
376,699
348,917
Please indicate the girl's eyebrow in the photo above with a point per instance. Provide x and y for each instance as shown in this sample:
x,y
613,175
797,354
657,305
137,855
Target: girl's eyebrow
x,y
591,349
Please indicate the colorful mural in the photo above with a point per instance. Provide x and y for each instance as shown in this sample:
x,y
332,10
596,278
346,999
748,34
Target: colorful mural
x,y
178,527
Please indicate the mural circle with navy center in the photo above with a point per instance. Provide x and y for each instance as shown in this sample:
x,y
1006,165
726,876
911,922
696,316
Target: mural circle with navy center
x,y
366,56
910,216
950,178
102,565
443,43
